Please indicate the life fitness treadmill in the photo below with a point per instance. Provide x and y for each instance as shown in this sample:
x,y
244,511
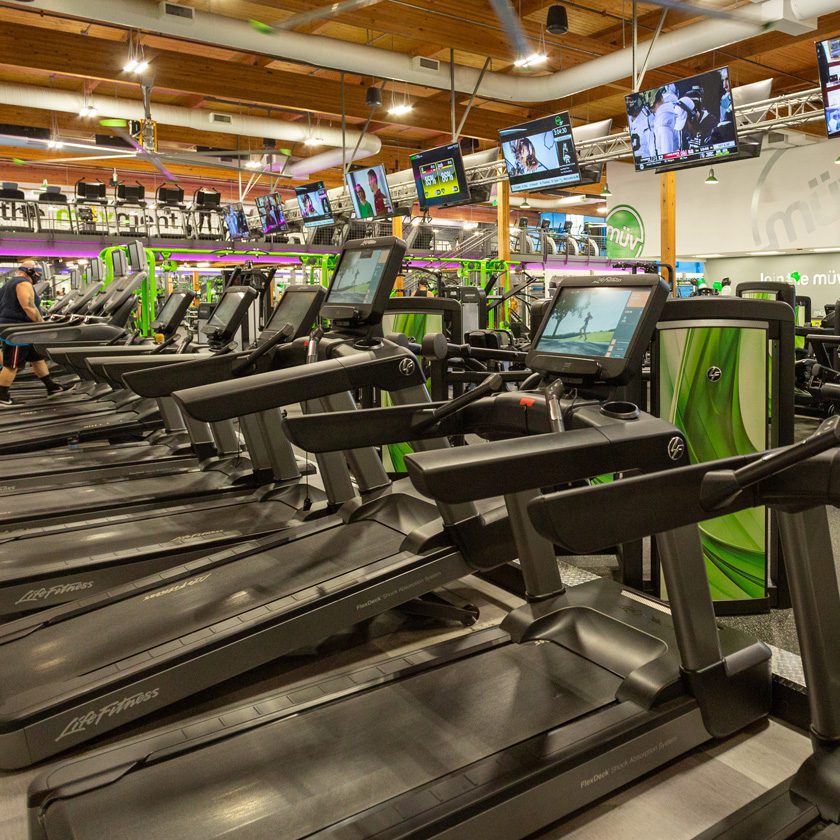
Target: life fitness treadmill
x,y
99,402
138,417
226,472
157,444
52,564
496,735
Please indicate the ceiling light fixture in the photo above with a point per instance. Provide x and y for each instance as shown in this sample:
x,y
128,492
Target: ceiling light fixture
x,y
400,109
525,204
557,20
606,192
602,210
711,180
837,160
764,253
252,164
535,59
136,62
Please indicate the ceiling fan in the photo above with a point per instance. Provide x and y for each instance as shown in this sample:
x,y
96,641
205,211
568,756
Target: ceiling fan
x,y
313,15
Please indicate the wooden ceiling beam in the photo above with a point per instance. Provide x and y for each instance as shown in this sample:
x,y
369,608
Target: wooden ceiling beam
x,y
77,55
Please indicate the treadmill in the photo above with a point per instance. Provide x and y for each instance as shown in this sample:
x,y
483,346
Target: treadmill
x,y
499,734
52,564
129,490
80,402
135,419
195,626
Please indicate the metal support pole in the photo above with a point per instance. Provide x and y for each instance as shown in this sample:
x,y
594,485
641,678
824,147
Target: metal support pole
x,y
472,98
637,81
452,94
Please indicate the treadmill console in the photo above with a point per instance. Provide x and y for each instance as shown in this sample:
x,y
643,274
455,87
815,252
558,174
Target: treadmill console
x,y
170,317
363,281
229,314
596,329
299,306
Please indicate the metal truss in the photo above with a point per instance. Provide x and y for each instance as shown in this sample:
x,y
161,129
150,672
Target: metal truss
x,y
757,118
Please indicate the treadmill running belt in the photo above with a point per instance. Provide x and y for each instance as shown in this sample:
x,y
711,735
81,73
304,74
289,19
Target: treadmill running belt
x,y
128,542
301,774
67,654
42,504
29,465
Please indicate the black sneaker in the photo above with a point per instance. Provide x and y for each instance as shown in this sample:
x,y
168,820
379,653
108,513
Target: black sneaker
x,y
61,389
8,402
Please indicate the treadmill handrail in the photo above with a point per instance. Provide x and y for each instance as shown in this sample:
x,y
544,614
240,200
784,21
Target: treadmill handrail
x,y
386,366
470,473
181,371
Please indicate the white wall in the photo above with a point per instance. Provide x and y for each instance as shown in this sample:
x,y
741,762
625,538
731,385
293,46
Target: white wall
x,y
785,199
819,273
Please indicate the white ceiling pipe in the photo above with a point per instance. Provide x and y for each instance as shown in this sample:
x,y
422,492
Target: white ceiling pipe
x,y
561,203
25,96
322,51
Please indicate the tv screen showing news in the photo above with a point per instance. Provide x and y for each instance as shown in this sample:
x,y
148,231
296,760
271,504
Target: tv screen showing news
x,y
540,153
593,322
236,221
440,177
369,193
828,60
357,278
270,209
314,204
683,122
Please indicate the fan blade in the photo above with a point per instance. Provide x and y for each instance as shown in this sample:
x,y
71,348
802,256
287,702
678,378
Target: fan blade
x,y
704,11
143,152
507,16
320,13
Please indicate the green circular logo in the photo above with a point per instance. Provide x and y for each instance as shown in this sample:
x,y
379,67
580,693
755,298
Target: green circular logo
x,y
625,232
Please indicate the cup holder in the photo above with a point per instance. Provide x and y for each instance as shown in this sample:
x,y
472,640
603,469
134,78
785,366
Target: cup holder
x,y
620,410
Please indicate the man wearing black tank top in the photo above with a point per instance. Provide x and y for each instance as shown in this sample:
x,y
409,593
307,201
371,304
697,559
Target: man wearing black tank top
x,y
19,304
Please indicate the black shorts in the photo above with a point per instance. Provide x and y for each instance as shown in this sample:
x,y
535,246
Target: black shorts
x,y
17,355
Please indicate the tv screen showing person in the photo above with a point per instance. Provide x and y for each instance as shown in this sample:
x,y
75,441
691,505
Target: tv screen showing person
x,y
314,204
236,221
540,153
683,122
828,60
369,193
270,209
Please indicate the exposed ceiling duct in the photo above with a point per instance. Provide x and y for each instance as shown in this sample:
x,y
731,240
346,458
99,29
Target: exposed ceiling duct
x,y
694,39
24,96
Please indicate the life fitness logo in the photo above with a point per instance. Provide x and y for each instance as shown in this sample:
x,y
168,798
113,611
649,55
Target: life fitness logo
x,y
625,232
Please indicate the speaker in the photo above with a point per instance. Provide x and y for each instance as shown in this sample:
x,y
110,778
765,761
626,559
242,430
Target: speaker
x,y
557,21
373,97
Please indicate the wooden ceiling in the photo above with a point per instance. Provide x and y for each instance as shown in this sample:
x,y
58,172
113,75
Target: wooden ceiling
x,y
44,50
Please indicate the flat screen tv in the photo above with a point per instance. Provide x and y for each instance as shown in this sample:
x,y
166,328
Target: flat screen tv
x,y
314,203
683,122
270,209
440,178
369,193
828,60
540,154
236,221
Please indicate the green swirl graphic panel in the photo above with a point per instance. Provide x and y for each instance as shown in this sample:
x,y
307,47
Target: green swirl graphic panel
x,y
415,326
713,386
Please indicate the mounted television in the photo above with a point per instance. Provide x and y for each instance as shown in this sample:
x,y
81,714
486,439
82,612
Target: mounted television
x,y
683,122
540,154
369,193
828,60
236,221
270,210
440,178
314,204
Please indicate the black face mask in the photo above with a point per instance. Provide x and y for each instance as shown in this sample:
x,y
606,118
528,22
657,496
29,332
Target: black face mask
x,y
34,274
